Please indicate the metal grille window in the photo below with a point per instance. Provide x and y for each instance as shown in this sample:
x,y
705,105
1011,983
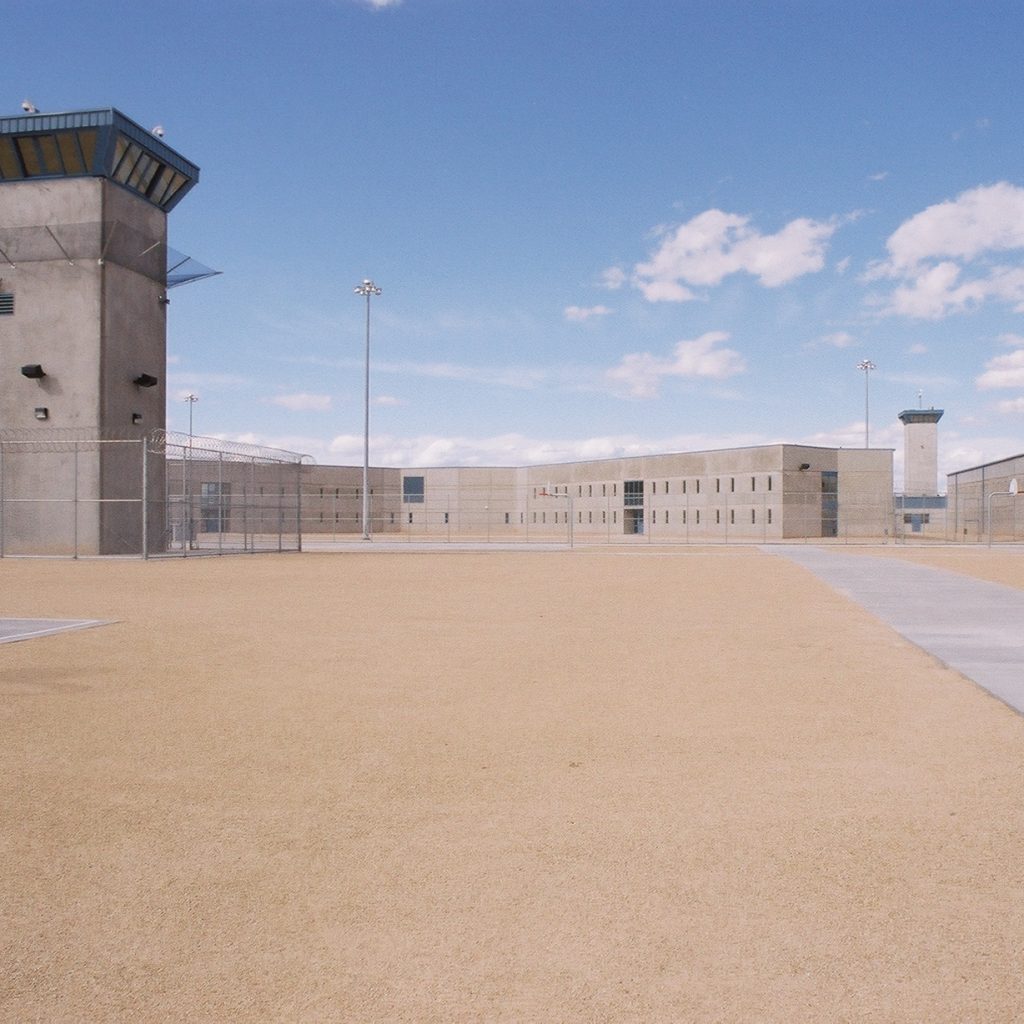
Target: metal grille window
x,y
6,303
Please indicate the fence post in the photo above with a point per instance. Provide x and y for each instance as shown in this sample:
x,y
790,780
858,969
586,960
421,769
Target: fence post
x,y
145,498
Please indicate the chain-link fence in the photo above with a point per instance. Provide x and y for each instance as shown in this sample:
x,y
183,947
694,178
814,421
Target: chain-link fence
x,y
70,493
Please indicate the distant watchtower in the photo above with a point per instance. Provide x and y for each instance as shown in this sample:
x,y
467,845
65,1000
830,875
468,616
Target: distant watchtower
x,y
920,451
84,198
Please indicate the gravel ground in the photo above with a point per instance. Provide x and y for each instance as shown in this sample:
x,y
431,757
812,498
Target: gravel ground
x,y
684,786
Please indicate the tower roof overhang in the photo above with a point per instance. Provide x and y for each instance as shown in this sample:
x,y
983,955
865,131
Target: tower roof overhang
x,y
94,143
921,415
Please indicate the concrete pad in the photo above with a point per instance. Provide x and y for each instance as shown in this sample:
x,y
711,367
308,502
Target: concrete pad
x,y
13,630
971,625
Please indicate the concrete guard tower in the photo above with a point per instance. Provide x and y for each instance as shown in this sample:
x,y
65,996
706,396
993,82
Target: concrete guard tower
x,y
84,273
920,451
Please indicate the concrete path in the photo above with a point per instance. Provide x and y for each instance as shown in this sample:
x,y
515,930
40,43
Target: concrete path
x,y
973,626
12,630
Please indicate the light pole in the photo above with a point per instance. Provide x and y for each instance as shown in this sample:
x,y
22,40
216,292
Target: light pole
x,y
367,288
867,366
191,399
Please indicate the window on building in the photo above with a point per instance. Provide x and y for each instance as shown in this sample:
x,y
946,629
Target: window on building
x,y
684,487
732,516
604,490
446,519
753,515
684,517
412,490
590,517
718,516
507,518
769,517
718,485
654,487
698,487
698,517
753,484
604,517
632,493
6,303
590,490
732,484
410,519
769,483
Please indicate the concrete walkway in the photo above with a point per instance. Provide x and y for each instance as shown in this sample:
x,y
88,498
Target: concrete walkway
x,y
973,626
13,630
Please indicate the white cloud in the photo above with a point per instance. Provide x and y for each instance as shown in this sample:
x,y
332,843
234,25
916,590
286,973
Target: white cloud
x,y
880,176
387,400
931,253
614,278
715,244
917,349
303,402
1011,340
1003,372
839,339
524,377
843,265
1013,406
580,314
639,373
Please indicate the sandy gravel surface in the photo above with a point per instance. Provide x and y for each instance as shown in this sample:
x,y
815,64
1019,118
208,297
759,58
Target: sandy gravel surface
x,y
695,786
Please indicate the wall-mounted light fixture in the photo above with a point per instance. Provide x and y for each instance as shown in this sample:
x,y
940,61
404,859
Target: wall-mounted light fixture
x,y
146,380
33,371
42,413
804,465
136,417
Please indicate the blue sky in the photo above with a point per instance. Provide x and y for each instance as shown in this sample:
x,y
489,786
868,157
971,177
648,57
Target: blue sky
x,y
600,228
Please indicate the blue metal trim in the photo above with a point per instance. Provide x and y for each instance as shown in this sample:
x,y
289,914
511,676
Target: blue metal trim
x,y
110,123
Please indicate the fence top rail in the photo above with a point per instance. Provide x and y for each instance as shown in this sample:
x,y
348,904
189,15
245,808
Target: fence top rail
x,y
198,447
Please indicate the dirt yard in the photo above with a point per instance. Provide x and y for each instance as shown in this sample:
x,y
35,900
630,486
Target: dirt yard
x,y
592,786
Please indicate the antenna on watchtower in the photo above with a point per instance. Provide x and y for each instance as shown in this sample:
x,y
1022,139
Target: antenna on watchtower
x,y
920,399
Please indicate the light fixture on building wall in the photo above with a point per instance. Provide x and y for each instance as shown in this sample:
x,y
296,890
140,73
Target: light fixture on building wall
x,y
146,380
42,413
33,371
804,465
136,417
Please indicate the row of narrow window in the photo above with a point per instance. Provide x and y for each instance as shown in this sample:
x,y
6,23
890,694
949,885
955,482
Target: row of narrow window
x,y
634,488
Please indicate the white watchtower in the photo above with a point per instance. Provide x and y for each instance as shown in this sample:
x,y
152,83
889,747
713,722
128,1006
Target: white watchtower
x,y
920,451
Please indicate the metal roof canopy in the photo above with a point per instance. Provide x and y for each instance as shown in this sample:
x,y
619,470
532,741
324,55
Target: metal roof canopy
x,y
94,143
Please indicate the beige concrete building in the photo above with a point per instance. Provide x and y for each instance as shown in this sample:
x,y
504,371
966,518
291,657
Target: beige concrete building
x,y
985,503
765,493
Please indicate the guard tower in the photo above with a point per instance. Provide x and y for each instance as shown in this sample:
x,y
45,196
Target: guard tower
x,y
920,451
84,273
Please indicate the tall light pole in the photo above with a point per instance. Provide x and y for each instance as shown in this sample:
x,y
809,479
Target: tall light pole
x,y
187,482
191,399
367,288
867,366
